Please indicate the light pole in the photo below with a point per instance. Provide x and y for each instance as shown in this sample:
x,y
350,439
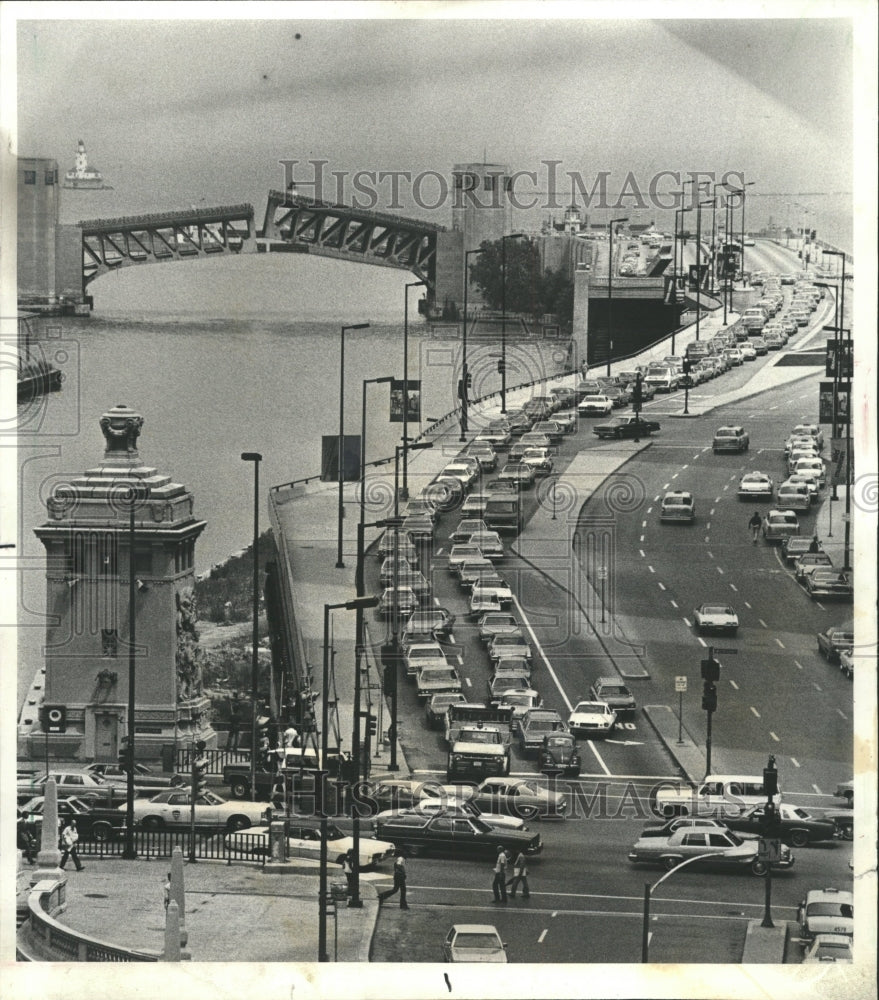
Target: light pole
x,y
727,223
256,458
410,284
835,331
463,391
341,512
610,235
382,380
648,890
130,853
714,188
708,201
742,191
849,361
683,212
503,361
320,776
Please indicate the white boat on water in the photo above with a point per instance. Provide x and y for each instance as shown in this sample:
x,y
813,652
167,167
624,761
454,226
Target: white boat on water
x,y
83,176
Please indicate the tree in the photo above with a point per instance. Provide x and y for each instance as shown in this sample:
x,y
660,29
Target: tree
x,y
527,290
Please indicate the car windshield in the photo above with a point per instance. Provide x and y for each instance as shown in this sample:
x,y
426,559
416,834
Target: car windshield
x,y
716,609
479,736
476,941
830,908
558,741
516,698
590,706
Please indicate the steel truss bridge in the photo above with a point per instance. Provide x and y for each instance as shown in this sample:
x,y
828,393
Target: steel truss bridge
x,y
292,224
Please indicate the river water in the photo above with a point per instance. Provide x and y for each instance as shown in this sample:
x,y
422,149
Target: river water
x,y
225,356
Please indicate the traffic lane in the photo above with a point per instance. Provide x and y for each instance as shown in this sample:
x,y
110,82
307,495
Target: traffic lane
x,y
576,658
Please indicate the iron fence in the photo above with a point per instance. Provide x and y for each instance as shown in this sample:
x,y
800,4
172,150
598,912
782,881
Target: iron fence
x,y
208,845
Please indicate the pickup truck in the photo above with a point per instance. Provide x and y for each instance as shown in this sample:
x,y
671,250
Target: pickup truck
x,y
628,426
479,750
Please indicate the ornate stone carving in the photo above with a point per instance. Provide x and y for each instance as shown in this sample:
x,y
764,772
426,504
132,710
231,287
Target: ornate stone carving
x,y
187,660
121,429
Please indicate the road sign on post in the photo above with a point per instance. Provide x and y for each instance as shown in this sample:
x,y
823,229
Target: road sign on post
x,y
680,683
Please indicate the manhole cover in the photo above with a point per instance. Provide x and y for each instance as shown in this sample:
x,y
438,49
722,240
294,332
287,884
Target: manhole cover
x,y
95,895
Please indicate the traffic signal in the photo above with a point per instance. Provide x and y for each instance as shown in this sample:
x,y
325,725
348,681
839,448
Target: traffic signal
x,y
371,725
637,394
390,657
709,697
125,755
710,670
199,771
770,781
688,366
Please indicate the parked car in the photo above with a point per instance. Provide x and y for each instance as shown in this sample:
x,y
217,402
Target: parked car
x,y
716,618
833,949
93,820
520,797
474,943
613,691
794,546
847,662
793,496
591,719
833,640
809,561
730,438
830,583
779,524
558,754
144,777
756,486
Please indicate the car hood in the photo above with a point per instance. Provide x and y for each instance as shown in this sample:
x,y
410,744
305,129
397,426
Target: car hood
x,y
589,718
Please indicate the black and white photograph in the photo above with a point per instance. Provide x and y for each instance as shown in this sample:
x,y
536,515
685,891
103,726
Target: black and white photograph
x,y
438,446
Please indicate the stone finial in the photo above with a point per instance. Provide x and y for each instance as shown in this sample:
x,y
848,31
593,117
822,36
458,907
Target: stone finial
x,y
121,429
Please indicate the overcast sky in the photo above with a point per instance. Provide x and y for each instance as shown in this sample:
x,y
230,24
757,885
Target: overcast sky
x,y
225,100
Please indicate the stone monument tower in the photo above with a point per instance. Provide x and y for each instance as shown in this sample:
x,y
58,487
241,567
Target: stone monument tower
x,y
91,539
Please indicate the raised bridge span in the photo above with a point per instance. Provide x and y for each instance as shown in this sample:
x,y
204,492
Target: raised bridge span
x,y
291,223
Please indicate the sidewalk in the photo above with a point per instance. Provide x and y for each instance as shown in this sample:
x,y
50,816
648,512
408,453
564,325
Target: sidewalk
x,y
222,900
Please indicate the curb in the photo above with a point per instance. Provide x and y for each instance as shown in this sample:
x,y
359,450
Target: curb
x,y
671,745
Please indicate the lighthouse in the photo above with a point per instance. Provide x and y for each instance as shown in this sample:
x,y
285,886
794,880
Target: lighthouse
x,y
120,539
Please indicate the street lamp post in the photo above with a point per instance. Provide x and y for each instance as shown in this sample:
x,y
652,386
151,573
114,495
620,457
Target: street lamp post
x,y
610,235
836,331
714,188
256,458
410,284
463,392
683,211
341,511
708,201
320,776
503,361
742,191
382,380
648,891
848,426
727,223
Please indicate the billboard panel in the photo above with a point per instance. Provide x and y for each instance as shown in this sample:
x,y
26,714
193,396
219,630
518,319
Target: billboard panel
x,y
402,396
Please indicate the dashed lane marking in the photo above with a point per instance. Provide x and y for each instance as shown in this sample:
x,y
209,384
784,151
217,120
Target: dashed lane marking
x,y
780,643
734,587
774,736
674,604
656,498
710,555
817,687
649,509
817,789
695,457
643,524
747,605
762,623
469,682
798,664
675,476
717,499
774,407
666,486
661,585
702,641
707,537
726,487
842,713
452,640
719,570
641,539
754,710
708,526
440,551
684,467
542,936
711,512
652,570
820,605
641,553
734,684
795,762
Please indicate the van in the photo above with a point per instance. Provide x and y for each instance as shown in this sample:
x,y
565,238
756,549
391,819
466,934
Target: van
x,y
503,513
717,796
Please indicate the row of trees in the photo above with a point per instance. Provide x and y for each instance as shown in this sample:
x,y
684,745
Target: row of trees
x,y
527,289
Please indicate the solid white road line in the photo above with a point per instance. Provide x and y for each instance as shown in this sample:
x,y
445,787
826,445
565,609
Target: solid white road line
x,y
552,673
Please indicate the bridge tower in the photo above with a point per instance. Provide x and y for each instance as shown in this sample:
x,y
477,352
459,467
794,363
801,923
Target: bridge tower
x,y
89,549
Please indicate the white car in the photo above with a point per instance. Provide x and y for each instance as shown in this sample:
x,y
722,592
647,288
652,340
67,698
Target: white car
x,y
303,841
594,406
811,466
172,809
793,496
716,618
756,485
474,943
832,949
424,654
591,719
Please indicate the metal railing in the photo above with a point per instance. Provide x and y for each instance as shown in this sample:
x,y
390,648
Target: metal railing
x,y
208,845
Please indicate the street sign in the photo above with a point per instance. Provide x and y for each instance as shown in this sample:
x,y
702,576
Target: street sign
x,y
680,683
602,572
769,850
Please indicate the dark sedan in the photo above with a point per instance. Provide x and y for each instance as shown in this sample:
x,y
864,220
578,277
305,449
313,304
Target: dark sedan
x,y
833,640
797,827
625,427
458,836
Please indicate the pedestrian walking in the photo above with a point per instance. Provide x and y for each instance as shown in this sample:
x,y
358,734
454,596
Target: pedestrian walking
x,y
520,877
814,545
499,882
754,525
348,869
69,840
399,882
166,891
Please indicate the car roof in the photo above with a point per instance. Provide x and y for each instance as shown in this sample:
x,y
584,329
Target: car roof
x,y
474,929
609,680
